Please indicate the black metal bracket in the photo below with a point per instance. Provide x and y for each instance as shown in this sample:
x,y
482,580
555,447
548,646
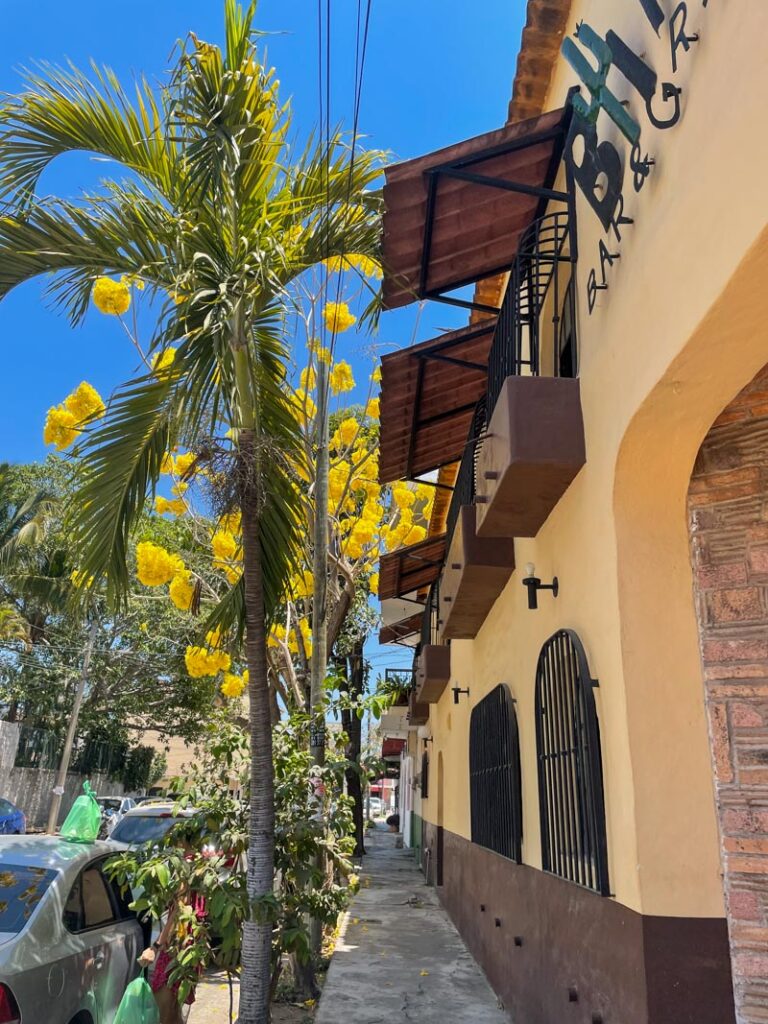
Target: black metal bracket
x,y
456,690
459,169
534,585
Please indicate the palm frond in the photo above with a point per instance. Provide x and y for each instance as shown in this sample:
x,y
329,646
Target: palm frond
x,y
63,110
120,464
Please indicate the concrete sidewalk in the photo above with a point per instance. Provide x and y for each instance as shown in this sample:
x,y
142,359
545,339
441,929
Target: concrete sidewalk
x,y
211,1004
399,957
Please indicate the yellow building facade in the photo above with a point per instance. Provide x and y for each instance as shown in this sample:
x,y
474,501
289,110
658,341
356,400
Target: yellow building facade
x,y
625,459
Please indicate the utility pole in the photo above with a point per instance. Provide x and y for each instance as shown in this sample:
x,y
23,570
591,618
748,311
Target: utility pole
x,y
368,783
61,778
319,609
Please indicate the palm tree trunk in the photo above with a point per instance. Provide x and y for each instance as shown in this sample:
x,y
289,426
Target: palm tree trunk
x,y
257,932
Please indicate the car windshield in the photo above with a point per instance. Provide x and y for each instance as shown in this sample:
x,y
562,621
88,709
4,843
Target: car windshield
x,y
110,803
21,889
144,828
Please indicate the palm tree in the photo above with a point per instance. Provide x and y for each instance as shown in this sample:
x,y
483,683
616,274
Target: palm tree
x,y
218,216
24,513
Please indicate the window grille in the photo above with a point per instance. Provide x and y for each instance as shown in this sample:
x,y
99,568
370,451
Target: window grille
x,y
424,775
494,775
571,801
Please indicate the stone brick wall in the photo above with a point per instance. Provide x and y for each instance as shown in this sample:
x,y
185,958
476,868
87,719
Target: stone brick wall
x,y
728,508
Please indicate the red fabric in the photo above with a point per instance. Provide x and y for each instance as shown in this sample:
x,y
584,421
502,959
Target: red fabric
x,y
164,960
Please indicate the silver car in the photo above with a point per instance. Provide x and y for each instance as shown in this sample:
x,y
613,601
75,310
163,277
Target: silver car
x,y
112,810
69,944
147,823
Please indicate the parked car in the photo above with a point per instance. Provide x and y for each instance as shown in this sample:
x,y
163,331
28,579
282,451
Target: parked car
x,y
13,821
139,801
146,824
68,939
113,808
377,808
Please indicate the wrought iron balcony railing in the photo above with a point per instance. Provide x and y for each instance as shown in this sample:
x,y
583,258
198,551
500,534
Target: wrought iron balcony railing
x,y
535,334
430,624
536,330
464,489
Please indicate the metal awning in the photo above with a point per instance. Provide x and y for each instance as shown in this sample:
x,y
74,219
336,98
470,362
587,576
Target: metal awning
x,y
402,632
428,395
456,215
392,748
411,569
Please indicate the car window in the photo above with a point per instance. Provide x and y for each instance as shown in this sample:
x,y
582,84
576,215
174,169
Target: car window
x,y
109,803
143,828
6,807
88,904
21,889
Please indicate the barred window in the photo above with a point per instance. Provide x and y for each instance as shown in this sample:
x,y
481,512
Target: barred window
x,y
424,775
494,775
571,800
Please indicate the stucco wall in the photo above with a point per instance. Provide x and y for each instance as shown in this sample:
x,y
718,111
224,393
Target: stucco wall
x,y
677,334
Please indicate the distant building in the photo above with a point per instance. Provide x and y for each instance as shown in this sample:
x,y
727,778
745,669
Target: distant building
x,y
585,778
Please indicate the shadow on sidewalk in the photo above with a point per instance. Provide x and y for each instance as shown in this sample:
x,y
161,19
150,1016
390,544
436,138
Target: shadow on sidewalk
x,y
399,957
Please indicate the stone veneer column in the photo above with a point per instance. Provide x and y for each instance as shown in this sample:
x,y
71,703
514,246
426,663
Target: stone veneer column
x,y
728,506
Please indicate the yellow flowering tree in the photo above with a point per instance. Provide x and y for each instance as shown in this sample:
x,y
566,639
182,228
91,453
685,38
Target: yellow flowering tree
x,y
219,218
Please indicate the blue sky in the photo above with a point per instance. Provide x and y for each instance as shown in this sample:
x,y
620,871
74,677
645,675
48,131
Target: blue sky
x,y
437,71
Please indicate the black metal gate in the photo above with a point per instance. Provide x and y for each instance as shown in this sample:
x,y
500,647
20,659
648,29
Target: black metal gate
x,y
571,800
494,775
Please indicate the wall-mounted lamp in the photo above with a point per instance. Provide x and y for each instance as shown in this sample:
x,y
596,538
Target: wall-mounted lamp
x,y
456,691
534,585
425,740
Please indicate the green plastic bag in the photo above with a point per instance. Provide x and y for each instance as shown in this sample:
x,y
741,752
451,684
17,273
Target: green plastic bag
x,y
138,1005
83,822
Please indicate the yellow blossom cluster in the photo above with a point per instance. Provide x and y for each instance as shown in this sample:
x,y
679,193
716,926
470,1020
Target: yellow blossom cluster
x,y
347,431
226,547
372,409
182,590
234,685
302,586
162,360
111,297
278,635
174,506
201,661
366,265
63,422
341,378
337,317
81,579
156,566
304,407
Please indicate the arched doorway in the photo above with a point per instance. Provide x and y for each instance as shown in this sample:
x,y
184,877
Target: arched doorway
x,y
728,521
670,695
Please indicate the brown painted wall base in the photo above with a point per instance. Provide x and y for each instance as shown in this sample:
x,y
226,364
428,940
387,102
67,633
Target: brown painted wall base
x,y
555,952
